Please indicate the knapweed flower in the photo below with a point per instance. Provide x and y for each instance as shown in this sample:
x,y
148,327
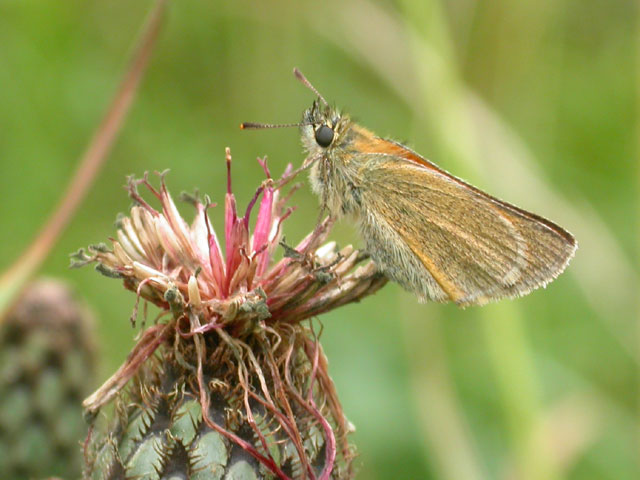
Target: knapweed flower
x,y
229,378
47,365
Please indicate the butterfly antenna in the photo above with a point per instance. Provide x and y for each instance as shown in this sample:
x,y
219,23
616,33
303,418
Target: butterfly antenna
x,y
307,84
255,126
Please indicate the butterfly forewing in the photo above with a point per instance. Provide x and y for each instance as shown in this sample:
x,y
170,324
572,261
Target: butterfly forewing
x,y
470,247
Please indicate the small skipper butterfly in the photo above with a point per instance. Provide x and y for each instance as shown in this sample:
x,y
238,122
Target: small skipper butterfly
x,y
436,235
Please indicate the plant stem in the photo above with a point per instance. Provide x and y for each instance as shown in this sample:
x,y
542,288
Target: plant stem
x,y
14,279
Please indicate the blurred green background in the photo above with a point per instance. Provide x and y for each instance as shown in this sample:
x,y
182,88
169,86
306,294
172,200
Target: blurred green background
x,y
533,101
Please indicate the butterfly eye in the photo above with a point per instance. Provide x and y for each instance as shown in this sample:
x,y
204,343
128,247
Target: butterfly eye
x,y
324,136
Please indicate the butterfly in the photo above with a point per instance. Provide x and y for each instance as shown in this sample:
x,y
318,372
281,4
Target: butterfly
x,y
434,234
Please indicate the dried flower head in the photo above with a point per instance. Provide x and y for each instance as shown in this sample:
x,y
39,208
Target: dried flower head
x,y
234,316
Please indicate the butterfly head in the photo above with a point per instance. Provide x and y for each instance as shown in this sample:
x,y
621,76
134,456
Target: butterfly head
x,y
322,127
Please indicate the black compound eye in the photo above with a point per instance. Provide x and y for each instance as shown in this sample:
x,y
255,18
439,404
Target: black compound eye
x,y
324,136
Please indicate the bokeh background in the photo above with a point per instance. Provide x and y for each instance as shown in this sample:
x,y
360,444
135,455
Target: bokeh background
x,y
534,101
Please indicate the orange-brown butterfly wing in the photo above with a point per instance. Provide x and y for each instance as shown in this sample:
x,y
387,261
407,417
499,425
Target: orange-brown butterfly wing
x,y
447,240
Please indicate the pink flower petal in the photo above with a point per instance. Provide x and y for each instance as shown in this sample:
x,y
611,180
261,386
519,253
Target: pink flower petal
x,y
262,231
